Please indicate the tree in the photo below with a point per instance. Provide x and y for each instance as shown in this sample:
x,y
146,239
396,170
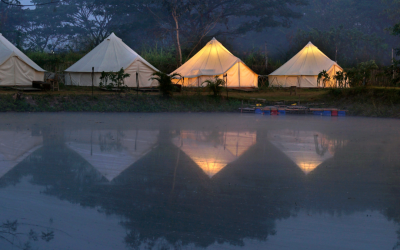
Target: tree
x,y
364,15
47,27
91,19
11,17
50,27
178,8
360,75
190,21
347,46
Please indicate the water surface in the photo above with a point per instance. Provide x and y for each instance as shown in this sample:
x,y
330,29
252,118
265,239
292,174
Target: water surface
x,y
198,181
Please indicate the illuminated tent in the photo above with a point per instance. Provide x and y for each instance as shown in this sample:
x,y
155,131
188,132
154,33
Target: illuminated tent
x,y
110,56
303,69
214,152
15,67
15,146
215,60
307,149
110,152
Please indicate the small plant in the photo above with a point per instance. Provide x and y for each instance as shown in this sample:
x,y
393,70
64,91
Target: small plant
x,y
111,80
165,83
324,76
104,78
216,86
340,79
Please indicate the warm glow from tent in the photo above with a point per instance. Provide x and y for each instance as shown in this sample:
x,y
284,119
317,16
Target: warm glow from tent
x,y
308,167
215,60
214,151
307,149
211,167
305,67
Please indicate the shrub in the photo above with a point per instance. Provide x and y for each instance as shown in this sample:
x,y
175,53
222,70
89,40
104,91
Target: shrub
x,y
165,83
360,75
111,80
216,86
324,76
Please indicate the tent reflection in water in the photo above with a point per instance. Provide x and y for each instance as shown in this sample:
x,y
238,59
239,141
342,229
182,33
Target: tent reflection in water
x,y
303,69
15,67
15,146
214,151
110,56
110,152
215,60
307,149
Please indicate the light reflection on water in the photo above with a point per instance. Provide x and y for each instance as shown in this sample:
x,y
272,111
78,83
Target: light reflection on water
x,y
110,151
212,151
179,181
307,149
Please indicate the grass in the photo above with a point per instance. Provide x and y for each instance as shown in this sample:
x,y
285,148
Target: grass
x,y
374,102
116,103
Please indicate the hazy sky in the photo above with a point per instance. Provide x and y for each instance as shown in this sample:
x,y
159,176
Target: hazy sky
x,y
26,2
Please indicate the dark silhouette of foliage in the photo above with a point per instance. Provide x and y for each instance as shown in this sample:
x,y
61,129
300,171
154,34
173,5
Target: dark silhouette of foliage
x,y
165,83
215,86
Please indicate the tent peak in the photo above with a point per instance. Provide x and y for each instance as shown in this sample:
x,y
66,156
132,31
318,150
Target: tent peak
x,y
310,44
112,36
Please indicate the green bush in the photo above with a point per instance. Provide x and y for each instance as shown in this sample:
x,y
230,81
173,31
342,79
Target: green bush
x,y
216,86
111,80
165,83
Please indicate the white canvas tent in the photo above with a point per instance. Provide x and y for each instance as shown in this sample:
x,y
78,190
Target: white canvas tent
x,y
215,60
110,56
303,69
15,67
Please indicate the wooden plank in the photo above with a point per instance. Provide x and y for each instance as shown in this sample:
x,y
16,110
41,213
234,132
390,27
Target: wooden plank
x,y
112,89
244,89
247,110
26,89
146,89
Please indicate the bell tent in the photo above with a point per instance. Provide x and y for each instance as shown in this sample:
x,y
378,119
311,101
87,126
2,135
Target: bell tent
x,y
215,60
303,69
110,56
15,67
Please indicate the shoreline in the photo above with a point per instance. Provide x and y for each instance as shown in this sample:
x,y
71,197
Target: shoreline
x,y
365,102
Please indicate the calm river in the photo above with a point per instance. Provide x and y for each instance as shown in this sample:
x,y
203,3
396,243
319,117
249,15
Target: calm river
x,y
198,181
